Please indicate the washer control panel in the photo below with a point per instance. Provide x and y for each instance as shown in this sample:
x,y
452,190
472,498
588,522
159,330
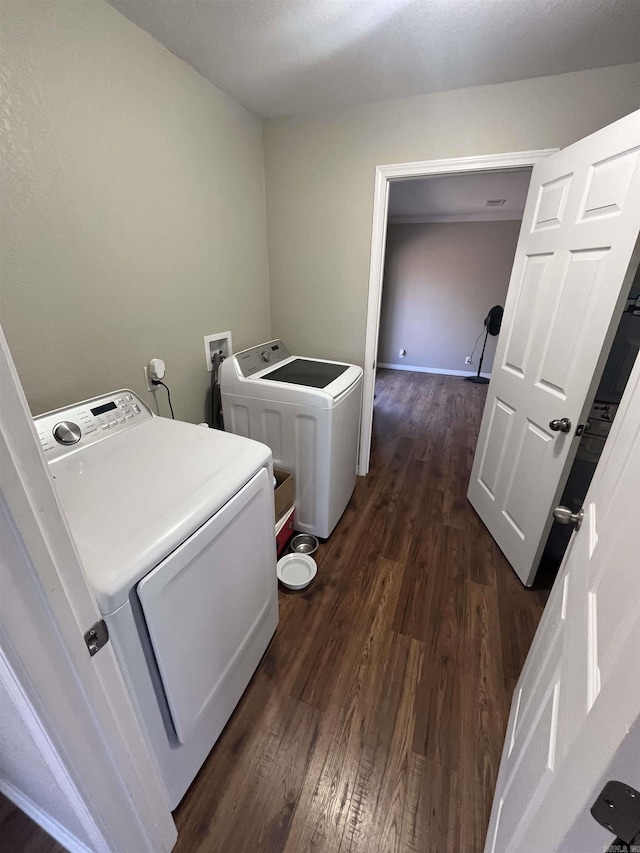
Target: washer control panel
x,y
252,360
65,430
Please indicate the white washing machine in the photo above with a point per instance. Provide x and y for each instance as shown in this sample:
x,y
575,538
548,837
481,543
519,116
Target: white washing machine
x,y
307,411
175,528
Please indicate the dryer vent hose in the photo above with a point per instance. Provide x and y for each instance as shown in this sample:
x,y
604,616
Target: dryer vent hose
x,y
217,421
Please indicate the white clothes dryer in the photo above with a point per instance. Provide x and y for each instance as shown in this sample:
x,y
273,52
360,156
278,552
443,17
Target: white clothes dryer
x,y
174,525
307,410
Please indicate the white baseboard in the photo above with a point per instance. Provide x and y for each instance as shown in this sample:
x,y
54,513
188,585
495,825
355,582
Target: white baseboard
x,y
60,833
414,369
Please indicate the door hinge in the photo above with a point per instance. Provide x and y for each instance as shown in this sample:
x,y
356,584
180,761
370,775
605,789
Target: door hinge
x,y
96,637
618,810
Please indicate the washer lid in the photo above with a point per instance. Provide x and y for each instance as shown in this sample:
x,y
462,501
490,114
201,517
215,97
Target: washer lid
x,y
132,499
265,384
306,371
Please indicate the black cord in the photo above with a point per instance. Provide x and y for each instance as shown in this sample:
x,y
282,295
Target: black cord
x,y
217,421
214,382
166,387
475,345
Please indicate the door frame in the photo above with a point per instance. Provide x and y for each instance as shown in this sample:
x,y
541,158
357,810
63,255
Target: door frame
x,y
383,177
75,708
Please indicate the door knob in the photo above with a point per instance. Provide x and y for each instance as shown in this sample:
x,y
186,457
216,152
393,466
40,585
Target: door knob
x,y
563,515
560,425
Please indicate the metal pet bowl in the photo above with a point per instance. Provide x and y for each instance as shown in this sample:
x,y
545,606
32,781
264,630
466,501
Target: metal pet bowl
x,y
304,543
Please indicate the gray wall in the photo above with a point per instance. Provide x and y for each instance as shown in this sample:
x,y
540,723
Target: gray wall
x,y
440,280
133,212
320,176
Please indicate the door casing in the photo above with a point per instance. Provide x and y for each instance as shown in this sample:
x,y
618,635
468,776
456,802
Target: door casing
x,y
383,177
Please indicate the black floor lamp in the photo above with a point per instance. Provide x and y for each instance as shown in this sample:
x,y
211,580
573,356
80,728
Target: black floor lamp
x,y
492,322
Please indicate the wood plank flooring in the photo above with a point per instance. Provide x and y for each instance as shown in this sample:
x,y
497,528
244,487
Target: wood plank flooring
x,y
375,721
19,834
376,718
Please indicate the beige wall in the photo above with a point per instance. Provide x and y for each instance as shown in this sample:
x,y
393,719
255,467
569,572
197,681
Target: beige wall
x,y
24,771
440,280
133,210
132,219
320,175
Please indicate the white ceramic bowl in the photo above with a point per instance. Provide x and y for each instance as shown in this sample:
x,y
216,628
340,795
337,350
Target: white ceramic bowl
x,y
295,571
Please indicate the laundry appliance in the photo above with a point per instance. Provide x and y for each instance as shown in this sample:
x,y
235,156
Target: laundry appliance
x,y
174,525
307,410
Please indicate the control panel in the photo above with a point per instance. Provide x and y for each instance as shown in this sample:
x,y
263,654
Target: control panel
x,y
253,360
66,430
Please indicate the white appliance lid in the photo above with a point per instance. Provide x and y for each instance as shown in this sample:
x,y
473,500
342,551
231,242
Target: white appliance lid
x,y
306,371
259,385
217,587
131,499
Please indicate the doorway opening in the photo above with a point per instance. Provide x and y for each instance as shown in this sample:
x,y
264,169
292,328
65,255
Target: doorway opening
x,y
615,376
386,176
450,245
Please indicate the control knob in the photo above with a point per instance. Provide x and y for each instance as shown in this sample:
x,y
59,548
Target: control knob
x,y
66,432
265,355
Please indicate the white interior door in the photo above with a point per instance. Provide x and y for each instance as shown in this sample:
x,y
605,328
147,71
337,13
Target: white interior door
x,y
578,696
569,280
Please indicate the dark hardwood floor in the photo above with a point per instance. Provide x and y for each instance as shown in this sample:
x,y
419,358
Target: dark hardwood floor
x,y
19,834
375,721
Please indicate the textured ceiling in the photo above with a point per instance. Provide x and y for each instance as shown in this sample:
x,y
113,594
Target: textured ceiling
x,y
279,57
459,197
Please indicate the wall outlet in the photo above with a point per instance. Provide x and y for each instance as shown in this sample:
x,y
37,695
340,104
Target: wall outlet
x,y
220,343
156,369
147,379
467,360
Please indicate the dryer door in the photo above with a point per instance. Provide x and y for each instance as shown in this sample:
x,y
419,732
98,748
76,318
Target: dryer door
x,y
207,599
